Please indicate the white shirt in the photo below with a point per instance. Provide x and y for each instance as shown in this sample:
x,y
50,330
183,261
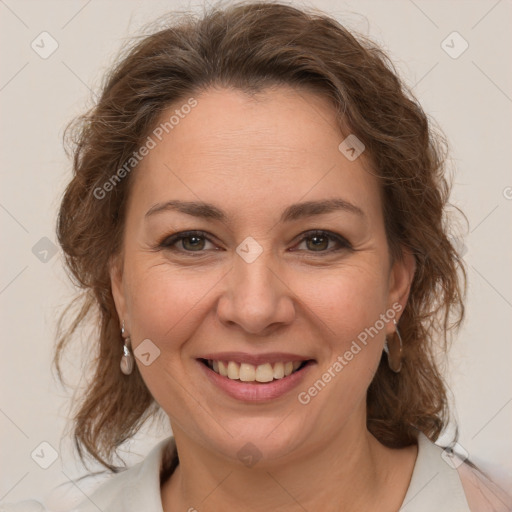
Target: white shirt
x,y
435,485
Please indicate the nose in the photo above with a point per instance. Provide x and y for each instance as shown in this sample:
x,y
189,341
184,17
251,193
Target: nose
x,y
256,297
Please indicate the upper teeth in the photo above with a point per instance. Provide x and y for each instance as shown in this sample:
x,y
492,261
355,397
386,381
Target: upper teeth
x,y
249,373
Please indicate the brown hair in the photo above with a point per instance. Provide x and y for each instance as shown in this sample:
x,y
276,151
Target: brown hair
x,y
250,47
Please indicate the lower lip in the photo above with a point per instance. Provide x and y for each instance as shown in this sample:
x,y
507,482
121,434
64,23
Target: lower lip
x,y
255,391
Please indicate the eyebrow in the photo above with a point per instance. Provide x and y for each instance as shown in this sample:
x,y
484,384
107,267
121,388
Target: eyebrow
x,y
291,213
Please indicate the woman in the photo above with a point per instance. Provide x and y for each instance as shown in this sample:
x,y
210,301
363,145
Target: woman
x,y
256,214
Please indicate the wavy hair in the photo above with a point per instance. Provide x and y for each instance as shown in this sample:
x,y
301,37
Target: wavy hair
x,y
252,46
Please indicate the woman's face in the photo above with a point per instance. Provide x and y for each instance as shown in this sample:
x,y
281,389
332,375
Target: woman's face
x,y
257,284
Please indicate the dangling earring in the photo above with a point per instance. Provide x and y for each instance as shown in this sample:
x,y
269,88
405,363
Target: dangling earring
x,y
127,359
394,352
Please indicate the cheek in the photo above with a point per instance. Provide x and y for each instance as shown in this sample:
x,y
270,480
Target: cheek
x,y
347,301
350,308
163,299
167,303
165,307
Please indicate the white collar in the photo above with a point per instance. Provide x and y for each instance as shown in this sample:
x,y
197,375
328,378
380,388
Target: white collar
x,y
434,485
132,490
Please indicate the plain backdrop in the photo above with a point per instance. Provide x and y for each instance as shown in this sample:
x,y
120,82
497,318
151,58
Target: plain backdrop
x,y
468,93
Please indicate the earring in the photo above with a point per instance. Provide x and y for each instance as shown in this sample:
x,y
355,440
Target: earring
x,y
394,352
127,358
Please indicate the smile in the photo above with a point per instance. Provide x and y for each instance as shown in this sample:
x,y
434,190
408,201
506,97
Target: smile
x,y
255,383
247,372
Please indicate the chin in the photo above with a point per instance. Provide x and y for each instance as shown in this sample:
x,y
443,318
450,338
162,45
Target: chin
x,y
262,443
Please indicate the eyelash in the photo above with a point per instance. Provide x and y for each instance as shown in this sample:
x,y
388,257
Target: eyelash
x,y
168,242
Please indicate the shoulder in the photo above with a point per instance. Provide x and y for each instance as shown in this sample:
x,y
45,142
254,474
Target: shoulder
x,y
132,490
482,494
443,482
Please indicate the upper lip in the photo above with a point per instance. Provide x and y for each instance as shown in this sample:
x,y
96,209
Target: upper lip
x,y
255,359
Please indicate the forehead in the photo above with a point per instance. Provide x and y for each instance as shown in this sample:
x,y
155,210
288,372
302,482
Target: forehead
x,y
251,152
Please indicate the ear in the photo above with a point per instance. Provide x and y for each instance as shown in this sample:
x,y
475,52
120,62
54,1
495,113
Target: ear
x,y
400,281
118,287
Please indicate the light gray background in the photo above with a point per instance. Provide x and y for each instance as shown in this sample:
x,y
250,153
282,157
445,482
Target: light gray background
x,y
469,96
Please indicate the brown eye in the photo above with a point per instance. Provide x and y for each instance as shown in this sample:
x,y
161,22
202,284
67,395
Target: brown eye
x,y
318,241
191,241
194,242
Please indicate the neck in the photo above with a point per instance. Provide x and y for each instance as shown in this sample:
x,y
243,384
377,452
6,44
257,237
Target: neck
x,y
353,471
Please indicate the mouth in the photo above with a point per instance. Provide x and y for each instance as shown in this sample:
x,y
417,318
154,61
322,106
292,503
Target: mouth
x,y
254,378
264,373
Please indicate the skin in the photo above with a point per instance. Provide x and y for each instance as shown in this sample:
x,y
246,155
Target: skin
x,y
234,150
